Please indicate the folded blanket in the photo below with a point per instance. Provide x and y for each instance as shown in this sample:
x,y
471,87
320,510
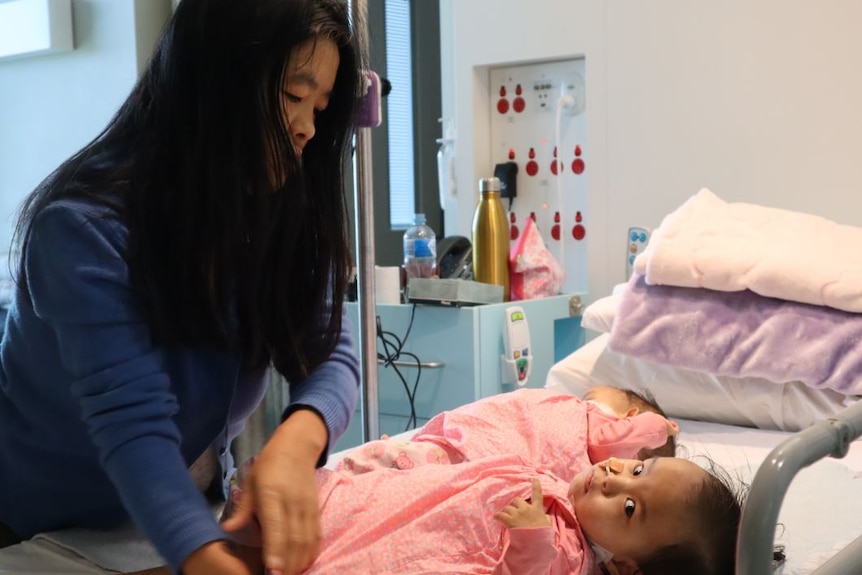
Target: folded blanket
x,y
740,334
713,244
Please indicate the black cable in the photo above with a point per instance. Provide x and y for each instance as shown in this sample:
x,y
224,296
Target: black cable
x,y
389,360
410,324
393,348
393,353
412,395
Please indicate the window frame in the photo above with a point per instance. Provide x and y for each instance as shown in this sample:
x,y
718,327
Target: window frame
x,y
427,109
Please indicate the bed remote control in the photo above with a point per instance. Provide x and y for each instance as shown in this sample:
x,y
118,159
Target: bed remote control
x,y
517,363
636,243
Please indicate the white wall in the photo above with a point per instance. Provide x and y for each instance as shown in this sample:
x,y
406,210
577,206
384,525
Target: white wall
x,y
52,105
758,100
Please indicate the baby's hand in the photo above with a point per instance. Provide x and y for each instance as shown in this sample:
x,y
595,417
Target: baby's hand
x,y
519,513
672,428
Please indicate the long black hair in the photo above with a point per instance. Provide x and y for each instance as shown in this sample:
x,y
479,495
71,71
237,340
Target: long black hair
x,y
219,254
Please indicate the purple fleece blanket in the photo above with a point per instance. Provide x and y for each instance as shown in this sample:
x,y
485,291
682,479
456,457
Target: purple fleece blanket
x,y
740,334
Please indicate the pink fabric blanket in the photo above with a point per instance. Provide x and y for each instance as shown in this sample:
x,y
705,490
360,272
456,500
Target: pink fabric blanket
x,y
435,518
717,245
740,334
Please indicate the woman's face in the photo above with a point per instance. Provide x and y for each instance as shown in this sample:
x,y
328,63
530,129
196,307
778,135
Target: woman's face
x,y
308,84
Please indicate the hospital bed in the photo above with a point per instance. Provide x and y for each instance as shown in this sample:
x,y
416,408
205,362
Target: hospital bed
x,y
798,502
744,322
818,515
819,512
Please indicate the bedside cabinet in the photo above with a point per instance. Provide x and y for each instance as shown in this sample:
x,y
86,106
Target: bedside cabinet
x,y
458,350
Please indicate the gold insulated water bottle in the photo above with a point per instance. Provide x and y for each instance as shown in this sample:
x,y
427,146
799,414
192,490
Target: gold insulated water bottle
x,y
491,237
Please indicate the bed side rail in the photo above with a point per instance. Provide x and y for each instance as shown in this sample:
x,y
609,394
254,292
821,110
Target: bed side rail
x,y
760,513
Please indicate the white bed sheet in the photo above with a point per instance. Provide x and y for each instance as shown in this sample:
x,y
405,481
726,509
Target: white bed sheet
x,y
820,513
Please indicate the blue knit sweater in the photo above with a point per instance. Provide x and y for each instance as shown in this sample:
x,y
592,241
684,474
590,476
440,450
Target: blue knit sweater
x,y
96,424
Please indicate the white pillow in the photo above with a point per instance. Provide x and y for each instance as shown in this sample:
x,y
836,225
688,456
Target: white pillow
x,y
682,393
599,315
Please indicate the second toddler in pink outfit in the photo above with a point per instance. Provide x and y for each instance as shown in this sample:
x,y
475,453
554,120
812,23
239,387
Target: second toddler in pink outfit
x,y
543,426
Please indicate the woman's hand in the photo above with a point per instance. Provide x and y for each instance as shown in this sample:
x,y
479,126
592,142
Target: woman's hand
x,y
519,513
281,493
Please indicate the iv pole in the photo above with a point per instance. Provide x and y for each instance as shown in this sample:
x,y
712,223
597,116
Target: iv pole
x,y
364,209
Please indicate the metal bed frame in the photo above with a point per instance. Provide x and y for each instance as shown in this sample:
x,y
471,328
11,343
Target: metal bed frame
x,y
363,203
756,539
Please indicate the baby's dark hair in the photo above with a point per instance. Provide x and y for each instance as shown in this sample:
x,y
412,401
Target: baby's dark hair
x,y
716,509
645,401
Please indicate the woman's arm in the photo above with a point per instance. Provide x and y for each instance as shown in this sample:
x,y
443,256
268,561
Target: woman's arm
x,y
79,287
331,391
280,491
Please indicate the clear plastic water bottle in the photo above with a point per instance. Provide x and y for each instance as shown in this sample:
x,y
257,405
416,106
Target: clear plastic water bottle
x,y
420,250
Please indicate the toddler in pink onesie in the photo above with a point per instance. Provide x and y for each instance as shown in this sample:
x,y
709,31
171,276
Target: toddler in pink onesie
x,y
503,515
505,509
538,424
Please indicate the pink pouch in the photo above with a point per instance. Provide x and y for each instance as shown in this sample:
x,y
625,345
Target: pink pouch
x,y
534,272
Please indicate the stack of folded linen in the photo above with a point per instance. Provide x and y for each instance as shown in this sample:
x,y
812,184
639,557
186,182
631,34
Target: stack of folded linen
x,y
744,290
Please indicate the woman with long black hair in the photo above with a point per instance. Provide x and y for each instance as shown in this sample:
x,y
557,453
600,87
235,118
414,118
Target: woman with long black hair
x,y
200,239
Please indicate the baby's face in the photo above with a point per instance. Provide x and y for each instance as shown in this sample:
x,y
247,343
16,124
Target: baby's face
x,y
614,398
632,507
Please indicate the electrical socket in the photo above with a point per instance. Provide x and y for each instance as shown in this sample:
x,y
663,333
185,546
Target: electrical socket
x,y
573,87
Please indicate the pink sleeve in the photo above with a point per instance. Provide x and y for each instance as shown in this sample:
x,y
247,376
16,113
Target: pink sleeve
x,y
623,438
533,551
